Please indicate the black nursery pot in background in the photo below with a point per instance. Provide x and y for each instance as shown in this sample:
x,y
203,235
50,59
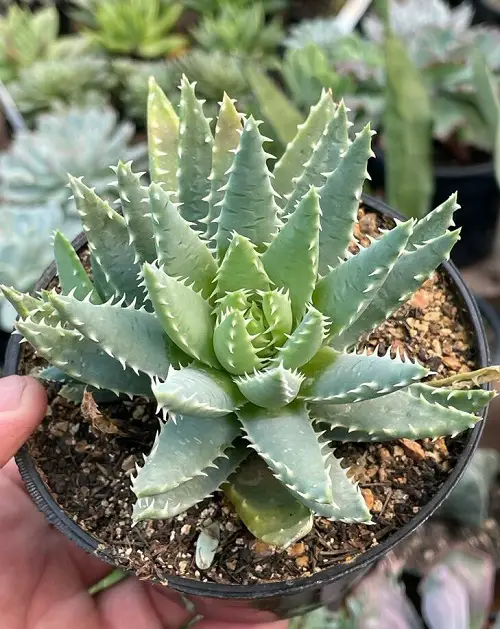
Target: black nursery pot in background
x,y
263,602
478,196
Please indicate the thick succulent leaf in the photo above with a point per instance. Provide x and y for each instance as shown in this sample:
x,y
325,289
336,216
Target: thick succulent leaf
x,y
267,508
404,413
347,290
54,374
407,275
434,224
339,200
277,310
104,289
249,207
181,252
233,343
348,503
133,337
198,391
169,504
195,156
23,303
467,400
83,359
464,380
237,299
241,268
299,150
135,206
305,340
291,261
184,315
324,159
163,138
73,278
272,388
227,138
340,378
274,104
183,448
108,240
277,435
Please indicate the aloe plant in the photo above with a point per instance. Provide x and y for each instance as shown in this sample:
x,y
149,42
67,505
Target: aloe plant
x,y
228,294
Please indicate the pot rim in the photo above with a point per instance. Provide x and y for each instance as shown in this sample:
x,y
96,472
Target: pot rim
x,y
40,494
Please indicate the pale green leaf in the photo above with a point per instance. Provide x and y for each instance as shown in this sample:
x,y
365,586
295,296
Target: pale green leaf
x,y
272,388
183,449
339,201
181,251
340,378
304,341
226,141
108,241
347,290
135,206
184,315
299,150
133,337
163,138
249,207
83,359
195,156
233,343
267,508
198,391
175,501
291,260
241,268
73,278
277,435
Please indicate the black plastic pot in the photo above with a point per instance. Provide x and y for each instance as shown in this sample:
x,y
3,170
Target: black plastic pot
x,y
4,340
478,195
267,601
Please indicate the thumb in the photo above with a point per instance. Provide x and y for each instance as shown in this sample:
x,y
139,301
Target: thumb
x,y
22,407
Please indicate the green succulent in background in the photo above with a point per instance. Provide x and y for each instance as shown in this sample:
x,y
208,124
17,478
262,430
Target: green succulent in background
x,y
80,81
25,248
142,28
213,72
228,294
34,169
26,37
212,7
242,32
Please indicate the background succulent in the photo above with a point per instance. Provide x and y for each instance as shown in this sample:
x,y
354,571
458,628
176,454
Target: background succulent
x,y
26,37
240,32
34,170
212,7
244,323
457,591
79,81
25,248
141,28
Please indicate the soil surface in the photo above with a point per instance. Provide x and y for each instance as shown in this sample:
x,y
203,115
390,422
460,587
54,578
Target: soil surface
x,y
88,467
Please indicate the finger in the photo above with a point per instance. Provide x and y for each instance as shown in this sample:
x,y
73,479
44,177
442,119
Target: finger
x,y
23,403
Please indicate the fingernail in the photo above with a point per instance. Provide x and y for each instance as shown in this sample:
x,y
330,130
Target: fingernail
x,y
11,392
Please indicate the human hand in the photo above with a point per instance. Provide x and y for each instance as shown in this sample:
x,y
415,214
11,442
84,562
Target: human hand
x,y
44,577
